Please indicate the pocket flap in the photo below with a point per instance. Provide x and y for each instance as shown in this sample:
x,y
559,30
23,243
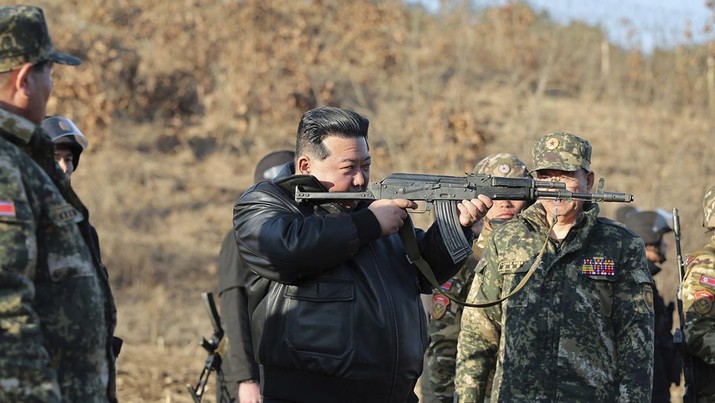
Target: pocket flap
x,y
323,289
513,266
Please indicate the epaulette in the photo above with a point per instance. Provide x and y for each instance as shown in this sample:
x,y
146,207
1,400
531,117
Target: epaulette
x,y
17,126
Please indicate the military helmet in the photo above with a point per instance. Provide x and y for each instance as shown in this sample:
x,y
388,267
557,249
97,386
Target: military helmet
x,y
709,208
64,132
268,167
650,225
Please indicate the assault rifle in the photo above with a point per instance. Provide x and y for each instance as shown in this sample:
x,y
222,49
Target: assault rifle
x,y
444,192
679,335
213,361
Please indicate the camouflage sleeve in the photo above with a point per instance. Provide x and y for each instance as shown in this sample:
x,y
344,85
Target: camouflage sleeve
x,y
479,335
25,374
698,298
633,317
443,329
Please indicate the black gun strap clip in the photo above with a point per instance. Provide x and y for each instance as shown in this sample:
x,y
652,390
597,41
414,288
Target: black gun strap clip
x,y
407,235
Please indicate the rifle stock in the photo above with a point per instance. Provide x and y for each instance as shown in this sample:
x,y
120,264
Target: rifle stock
x,y
213,360
679,334
444,192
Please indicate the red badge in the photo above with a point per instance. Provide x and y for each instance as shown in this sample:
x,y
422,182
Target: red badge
x,y
7,208
439,306
703,301
707,280
447,285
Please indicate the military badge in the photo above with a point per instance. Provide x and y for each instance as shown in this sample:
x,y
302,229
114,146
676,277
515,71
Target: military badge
x,y
66,213
447,285
598,266
439,306
7,208
552,143
648,298
503,169
708,281
703,302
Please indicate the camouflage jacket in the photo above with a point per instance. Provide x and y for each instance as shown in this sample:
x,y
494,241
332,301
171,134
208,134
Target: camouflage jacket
x,y
698,297
53,319
581,329
444,325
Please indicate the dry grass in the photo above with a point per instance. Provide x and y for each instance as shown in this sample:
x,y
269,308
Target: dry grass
x,y
181,98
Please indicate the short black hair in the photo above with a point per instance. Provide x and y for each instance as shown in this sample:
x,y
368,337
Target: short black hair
x,y
317,124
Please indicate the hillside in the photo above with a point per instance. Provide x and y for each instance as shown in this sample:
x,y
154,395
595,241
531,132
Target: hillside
x,y
179,100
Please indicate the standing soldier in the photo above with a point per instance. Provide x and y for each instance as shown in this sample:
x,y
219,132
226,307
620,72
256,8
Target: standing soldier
x,y
651,226
446,316
698,298
580,328
239,366
54,336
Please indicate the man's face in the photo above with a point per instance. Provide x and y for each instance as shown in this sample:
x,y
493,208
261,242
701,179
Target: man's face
x,y
39,84
347,167
576,181
65,159
505,209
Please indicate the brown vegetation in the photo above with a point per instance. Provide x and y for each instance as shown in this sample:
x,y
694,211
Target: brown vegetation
x,y
180,99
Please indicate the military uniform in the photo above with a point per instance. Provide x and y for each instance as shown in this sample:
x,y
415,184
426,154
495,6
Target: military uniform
x,y
446,315
56,315
581,328
557,338
52,292
698,297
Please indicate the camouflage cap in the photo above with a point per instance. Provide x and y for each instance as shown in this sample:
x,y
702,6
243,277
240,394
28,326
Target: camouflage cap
x,y
24,38
709,208
502,164
562,151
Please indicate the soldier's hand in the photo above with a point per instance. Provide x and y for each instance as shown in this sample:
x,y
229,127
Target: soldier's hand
x,y
471,211
249,392
391,213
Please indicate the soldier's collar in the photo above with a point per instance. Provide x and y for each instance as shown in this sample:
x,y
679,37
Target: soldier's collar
x,y
17,125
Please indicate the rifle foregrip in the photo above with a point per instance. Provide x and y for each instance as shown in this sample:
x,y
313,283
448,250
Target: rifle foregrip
x,y
451,230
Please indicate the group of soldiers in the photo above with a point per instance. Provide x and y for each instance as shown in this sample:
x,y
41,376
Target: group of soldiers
x,y
452,356
561,303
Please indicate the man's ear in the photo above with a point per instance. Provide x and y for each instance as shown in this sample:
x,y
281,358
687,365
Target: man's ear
x,y
302,165
20,81
590,178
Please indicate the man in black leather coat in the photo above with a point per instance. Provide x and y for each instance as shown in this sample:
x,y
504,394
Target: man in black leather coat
x,y
334,301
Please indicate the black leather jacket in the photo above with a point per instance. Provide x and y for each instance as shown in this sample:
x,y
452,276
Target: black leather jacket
x,y
335,307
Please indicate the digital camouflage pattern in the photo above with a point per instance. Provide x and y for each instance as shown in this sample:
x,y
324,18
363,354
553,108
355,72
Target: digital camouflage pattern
x,y
446,315
709,208
502,165
444,327
698,296
562,151
53,309
581,329
24,38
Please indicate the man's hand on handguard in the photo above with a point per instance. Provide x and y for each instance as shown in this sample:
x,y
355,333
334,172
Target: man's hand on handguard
x,y
471,211
391,213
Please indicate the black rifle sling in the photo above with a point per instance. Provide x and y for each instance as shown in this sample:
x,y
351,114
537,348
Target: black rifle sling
x,y
407,235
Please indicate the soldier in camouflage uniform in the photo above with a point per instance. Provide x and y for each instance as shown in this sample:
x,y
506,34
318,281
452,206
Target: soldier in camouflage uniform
x,y
698,297
54,332
446,316
581,328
